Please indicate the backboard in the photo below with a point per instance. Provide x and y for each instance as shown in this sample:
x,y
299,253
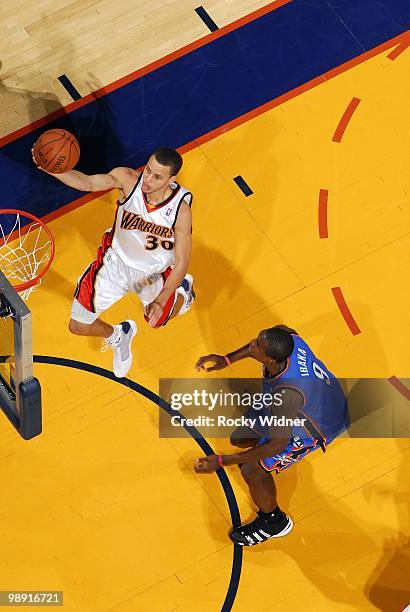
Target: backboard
x,y
20,392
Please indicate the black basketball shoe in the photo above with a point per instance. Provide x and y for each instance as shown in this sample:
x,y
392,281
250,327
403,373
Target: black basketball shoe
x,y
262,529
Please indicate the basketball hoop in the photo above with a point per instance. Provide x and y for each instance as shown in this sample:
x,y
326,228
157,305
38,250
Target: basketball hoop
x,y
26,249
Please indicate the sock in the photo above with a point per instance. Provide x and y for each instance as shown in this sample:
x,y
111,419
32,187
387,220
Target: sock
x,y
115,336
268,516
125,327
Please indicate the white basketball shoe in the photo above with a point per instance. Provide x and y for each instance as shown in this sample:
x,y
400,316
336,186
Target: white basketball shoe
x,y
186,289
121,346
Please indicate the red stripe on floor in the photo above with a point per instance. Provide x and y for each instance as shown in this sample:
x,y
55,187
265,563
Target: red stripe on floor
x,y
214,133
401,388
400,48
323,196
345,312
272,6
344,121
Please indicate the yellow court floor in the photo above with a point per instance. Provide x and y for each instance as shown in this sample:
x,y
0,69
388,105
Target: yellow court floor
x,y
102,508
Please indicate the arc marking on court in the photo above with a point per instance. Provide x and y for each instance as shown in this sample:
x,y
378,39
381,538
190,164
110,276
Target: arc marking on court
x,y
323,201
322,214
213,133
200,440
345,312
344,121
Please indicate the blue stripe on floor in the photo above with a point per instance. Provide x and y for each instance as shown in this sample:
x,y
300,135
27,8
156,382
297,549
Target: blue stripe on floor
x,y
243,186
203,90
69,87
206,18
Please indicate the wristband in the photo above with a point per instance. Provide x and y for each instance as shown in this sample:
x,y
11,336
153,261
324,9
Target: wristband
x,y
220,460
228,362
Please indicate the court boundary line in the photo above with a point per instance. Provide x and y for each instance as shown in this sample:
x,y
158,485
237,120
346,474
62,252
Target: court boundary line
x,y
136,74
259,110
403,46
194,433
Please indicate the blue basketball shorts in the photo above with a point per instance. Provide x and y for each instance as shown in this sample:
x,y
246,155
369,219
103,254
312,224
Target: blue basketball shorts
x,y
296,450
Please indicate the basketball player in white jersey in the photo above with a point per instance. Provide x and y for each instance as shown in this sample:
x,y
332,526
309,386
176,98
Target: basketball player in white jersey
x,y
147,251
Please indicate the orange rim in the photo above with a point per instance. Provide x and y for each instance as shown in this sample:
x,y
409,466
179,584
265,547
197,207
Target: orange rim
x,y
36,278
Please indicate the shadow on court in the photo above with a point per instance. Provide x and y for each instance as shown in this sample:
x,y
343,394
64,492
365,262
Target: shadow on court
x,y
388,587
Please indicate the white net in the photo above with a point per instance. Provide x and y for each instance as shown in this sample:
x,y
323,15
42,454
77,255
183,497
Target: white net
x,y
25,248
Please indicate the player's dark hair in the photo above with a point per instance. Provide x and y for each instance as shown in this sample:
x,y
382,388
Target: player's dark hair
x,y
279,343
169,157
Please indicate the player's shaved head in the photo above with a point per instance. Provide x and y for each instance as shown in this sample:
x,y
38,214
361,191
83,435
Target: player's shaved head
x,y
277,343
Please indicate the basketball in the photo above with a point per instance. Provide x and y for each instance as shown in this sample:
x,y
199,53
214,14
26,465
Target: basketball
x,y
56,151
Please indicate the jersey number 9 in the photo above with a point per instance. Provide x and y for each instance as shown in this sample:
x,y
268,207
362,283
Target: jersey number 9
x,y
320,373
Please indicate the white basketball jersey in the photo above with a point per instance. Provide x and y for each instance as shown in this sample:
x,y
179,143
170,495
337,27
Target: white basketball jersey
x,y
143,236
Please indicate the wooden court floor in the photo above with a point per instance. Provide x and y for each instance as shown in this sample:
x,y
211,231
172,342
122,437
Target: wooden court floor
x,y
101,507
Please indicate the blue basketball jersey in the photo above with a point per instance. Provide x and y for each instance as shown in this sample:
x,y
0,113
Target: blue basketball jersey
x,y
325,406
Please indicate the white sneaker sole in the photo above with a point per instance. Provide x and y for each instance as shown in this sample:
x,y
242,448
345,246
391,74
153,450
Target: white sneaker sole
x,y
125,367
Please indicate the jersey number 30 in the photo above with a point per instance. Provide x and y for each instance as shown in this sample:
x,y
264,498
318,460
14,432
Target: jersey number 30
x,y
152,242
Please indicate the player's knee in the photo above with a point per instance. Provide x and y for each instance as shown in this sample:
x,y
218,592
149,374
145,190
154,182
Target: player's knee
x,y
243,437
239,442
77,328
252,472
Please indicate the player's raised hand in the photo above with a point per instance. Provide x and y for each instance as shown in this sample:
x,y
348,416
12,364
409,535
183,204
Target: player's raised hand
x,y
154,312
36,163
218,361
206,465
34,159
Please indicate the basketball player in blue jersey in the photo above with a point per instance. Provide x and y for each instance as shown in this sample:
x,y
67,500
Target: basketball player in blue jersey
x,y
309,394
147,251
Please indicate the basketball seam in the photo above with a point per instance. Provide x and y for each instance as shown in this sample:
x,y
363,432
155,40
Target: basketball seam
x,y
75,152
59,150
67,137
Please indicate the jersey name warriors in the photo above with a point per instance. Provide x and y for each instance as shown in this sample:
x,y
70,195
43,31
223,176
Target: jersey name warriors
x,y
143,236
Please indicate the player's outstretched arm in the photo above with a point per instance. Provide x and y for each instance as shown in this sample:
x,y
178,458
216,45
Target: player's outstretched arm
x,y
85,182
219,361
94,182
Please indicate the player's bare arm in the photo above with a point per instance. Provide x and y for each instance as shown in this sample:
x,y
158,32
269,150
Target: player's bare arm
x,y
182,254
292,401
120,178
220,361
